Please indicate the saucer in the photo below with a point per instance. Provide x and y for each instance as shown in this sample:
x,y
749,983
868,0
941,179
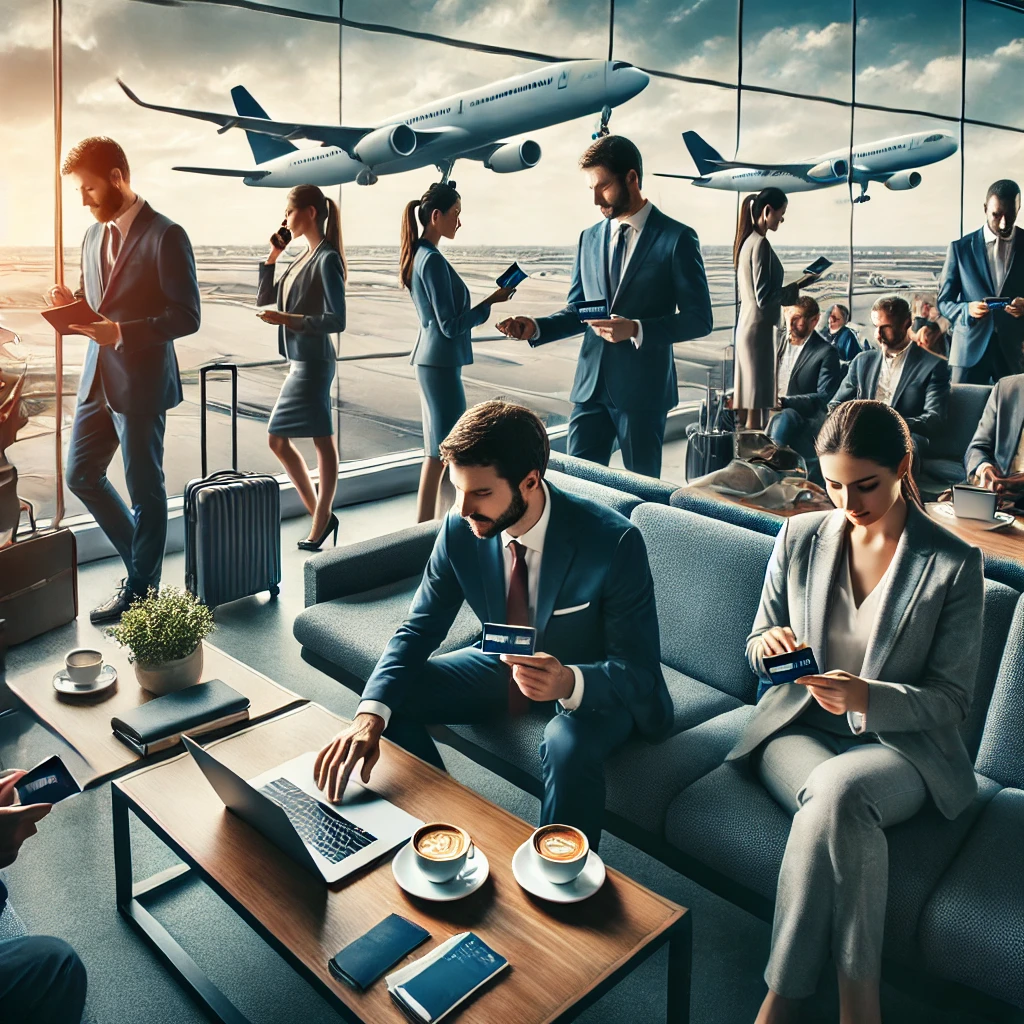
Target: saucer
x,y
63,683
413,881
584,885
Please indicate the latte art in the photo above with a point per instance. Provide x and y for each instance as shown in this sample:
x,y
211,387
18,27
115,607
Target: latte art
x,y
560,843
441,843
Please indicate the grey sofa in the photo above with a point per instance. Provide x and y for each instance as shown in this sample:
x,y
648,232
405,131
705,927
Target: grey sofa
x,y
943,464
956,883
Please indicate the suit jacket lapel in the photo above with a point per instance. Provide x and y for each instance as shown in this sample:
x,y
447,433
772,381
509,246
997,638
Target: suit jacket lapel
x,y
139,227
559,549
1015,252
492,574
911,363
827,547
647,238
981,255
802,357
906,574
873,374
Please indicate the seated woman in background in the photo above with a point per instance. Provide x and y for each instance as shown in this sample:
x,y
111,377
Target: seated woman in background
x,y
840,335
891,605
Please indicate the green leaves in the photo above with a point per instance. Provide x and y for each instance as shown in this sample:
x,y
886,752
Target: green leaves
x,y
163,626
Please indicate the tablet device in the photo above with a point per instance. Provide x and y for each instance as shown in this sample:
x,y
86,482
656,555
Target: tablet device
x,y
998,302
77,312
502,639
47,783
819,266
790,666
513,276
592,310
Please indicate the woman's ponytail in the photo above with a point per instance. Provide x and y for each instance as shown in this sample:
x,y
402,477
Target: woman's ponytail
x,y
332,232
410,236
744,225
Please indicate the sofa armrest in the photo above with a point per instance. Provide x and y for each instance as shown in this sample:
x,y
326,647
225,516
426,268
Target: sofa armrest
x,y
354,568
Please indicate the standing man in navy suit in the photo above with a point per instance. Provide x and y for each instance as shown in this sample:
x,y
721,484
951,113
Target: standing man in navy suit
x,y
988,344
647,269
521,552
139,274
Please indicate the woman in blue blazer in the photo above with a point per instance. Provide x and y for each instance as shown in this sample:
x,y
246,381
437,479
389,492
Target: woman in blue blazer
x,y
310,299
891,605
443,345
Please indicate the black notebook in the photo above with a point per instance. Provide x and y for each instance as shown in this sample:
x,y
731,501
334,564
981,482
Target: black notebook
x,y
365,959
159,724
429,989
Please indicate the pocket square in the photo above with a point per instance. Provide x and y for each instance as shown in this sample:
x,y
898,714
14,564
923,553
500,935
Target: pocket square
x,y
569,611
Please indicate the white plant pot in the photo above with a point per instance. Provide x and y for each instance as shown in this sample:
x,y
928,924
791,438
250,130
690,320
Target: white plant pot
x,y
172,675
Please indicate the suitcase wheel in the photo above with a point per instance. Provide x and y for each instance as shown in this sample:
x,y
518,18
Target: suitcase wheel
x,y
275,590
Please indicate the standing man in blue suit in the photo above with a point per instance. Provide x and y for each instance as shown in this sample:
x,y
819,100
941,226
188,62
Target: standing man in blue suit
x,y
988,263
139,274
521,552
647,269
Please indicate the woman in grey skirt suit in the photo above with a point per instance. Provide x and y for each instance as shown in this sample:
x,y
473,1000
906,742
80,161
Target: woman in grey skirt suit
x,y
444,344
891,605
759,277
310,299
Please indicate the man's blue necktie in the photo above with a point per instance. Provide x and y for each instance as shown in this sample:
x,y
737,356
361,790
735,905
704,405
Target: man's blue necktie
x,y
618,259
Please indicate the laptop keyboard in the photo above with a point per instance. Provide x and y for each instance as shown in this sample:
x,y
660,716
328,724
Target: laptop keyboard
x,y
333,836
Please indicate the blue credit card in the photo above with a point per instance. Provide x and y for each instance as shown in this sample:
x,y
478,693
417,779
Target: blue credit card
x,y
788,667
592,310
502,639
47,783
513,276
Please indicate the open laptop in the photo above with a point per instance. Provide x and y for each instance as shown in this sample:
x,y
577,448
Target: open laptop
x,y
284,805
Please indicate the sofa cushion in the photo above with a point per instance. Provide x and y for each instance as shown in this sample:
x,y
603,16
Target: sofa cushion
x,y
622,501
1001,753
950,441
647,488
728,821
353,631
759,520
972,929
707,584
937,475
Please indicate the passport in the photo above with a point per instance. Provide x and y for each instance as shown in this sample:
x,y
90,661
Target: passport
x,y
512,277
365,959
499,639
788,667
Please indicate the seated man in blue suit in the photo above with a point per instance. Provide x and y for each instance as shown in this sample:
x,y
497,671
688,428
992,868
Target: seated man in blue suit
x,y
139,274
807,375
647,271
840,335
520,551
987,263
912,380
995,457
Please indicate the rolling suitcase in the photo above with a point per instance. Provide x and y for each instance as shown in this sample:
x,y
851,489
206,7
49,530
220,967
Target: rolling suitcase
x,y
232,521
708,445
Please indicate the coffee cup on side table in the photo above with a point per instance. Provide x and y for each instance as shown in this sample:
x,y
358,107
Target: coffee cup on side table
x,y
441,850
83,665
560,852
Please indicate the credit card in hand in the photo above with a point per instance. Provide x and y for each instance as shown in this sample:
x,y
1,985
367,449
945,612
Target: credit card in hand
x,y
47,783
592,310
785,668
501,639
513,276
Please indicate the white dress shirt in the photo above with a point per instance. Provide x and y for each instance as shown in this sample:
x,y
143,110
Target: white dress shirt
x,y
790,354
889,375
533,541
119,226
998,251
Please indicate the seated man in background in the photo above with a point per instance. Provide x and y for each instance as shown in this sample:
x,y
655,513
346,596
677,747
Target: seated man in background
x,y
523,553
42,979
807,374
840,335
901,374
995,457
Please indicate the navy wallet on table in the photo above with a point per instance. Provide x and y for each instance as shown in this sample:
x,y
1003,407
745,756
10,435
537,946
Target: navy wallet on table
x,y
365,959
158,724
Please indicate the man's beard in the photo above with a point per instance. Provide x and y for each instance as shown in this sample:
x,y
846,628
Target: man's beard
x,y
106,209
515,511
619,204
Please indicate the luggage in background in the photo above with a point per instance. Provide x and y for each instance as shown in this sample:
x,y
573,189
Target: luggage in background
x,y
709,444
232,521
38,584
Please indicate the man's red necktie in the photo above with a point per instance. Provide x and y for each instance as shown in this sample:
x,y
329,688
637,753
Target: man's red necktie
x,y
517,613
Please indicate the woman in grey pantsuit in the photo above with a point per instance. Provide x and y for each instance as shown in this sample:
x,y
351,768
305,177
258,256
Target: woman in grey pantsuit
x,y
443,345
891,605
759,277
310,299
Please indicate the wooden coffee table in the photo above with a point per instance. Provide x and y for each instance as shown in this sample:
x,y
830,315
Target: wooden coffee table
x,y
812,505
84,722
1007,542
598,941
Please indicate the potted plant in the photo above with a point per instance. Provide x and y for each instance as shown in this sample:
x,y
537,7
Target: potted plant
x,y
163,633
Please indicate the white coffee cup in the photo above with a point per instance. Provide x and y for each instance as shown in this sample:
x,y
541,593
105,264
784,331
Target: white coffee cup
x,y
83,665
560,852
441,850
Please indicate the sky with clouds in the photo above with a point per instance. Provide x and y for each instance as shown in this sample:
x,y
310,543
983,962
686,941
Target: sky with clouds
x,y
191,55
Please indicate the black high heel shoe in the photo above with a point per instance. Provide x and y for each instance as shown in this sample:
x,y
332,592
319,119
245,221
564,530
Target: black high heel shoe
x,y
315,545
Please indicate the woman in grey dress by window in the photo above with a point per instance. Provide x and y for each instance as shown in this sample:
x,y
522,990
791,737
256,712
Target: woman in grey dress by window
x,y
891,605
310,299
759,277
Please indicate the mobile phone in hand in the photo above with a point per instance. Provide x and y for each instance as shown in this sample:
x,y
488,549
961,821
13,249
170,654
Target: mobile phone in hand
x,y
48,783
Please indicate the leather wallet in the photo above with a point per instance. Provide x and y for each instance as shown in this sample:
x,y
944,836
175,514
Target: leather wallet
x,y
200,708
365,959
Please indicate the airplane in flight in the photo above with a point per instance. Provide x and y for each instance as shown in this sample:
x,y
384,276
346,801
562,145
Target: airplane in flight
x,y
891,162
467,126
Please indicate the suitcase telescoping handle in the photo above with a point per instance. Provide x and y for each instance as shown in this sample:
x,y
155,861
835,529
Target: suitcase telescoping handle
x,y
203,371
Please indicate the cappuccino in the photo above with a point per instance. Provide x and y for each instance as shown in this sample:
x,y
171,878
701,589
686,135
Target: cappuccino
x,y
560,843
441,842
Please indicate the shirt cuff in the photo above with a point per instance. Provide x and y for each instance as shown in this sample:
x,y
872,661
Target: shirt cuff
x,y
639,339
575,699
374,707
858,722
535,335
119,344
